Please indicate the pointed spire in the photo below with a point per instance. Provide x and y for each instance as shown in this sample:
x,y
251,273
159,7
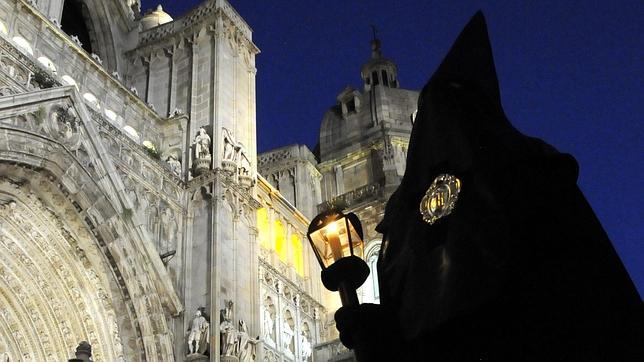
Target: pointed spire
x,y
470,60
375,44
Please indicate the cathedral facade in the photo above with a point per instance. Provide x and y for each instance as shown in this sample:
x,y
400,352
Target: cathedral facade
x,y
133,213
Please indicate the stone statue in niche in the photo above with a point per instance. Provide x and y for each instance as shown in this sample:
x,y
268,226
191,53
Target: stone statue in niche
x,y
267,324
244,162
199,334
246,344
174,164
229,334
202,144
168,227
305,347
287,336
229,145
235,152
63,122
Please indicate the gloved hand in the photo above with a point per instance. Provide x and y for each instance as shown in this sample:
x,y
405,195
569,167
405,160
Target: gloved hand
x,y
369,329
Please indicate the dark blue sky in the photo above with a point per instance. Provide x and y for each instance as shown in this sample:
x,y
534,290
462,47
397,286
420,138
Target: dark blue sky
x,y
571,73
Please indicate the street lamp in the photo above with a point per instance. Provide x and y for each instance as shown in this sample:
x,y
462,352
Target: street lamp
x,y
336,239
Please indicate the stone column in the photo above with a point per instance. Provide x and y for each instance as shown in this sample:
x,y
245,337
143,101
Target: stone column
x,y
145,61
339,180
172,80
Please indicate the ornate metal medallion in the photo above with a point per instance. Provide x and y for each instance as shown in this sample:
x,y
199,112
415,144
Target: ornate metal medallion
x,y
440,198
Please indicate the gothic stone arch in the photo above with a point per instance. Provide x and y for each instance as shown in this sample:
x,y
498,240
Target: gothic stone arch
x,y
73,264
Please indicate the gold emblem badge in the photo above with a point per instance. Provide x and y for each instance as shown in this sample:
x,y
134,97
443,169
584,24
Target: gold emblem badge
x,y
440,198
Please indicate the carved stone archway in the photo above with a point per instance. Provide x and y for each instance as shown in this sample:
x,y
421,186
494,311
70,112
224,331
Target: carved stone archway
x,y
50,148
56,287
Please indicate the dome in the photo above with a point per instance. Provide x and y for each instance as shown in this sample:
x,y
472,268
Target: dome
x,y
155,18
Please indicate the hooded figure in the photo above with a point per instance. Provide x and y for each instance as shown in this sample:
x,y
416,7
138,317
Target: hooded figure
x,y
520,270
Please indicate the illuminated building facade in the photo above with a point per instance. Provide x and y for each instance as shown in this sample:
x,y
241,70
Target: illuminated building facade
x,y
131,209
131,212
362,153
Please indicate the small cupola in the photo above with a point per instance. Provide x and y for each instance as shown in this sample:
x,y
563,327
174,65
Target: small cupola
x,y
154,18
379,70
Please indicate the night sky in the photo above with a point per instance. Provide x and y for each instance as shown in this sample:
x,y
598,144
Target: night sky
x,y
570,73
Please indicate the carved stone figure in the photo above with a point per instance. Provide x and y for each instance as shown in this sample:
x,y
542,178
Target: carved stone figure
x,y
202,144
287,336
244,162
267,323
199,334
246,344
229,334
305,347
229,145
168,226
174,164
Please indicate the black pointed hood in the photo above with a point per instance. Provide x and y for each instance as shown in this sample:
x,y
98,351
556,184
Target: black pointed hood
x,y
520,245
460,123
469,60
461,128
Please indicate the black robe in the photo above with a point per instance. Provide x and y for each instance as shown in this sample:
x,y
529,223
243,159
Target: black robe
x,y
521,270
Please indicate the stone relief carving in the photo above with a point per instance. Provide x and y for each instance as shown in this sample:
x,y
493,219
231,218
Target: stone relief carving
x,y
199,334
174,164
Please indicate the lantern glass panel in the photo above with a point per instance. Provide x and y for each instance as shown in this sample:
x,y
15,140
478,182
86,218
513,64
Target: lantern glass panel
x,y
332,241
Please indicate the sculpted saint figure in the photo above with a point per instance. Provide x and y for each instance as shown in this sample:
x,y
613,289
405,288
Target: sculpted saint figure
x,y
229,145
246,344
267,323
174,164
168,226
229,335
287,336
202,144
305,347
199,333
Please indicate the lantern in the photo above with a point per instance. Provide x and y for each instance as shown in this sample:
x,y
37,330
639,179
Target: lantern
x,y
337,242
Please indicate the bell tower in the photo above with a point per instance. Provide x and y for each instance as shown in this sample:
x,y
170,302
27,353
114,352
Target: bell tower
x,y
378,70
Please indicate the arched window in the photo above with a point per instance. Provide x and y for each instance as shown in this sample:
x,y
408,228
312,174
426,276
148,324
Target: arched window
x,y
374,77
281,248
298,254
370,289
72,23
264,229
385,79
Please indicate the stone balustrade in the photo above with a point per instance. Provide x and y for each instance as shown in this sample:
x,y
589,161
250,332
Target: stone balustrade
x,y
353,197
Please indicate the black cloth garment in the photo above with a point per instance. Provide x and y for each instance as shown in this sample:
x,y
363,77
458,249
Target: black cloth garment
x,y
521,270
